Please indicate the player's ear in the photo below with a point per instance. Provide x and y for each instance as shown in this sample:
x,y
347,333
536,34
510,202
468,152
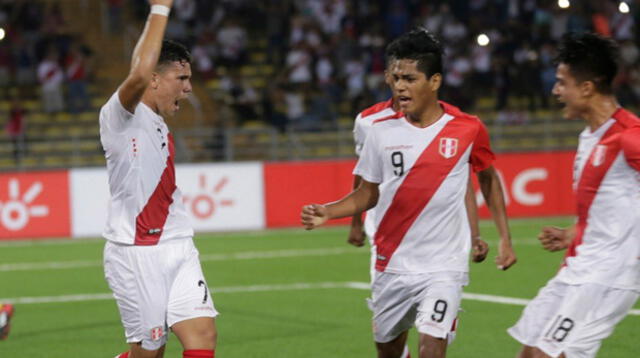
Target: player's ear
x,y
435,81
155,80
587,88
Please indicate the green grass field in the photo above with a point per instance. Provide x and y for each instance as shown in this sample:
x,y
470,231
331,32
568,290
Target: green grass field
x,y
281,293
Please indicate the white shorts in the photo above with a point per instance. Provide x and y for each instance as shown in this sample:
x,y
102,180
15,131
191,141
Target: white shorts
x,y
156,287
572,319
430,301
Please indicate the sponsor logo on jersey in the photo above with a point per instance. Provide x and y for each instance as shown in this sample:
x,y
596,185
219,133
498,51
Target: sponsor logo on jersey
x,y
154,231
448,147
381,258
599,154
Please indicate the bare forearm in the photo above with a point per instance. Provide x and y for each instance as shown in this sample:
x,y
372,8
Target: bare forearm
x,y
472,210
356,220
494,196
147,51
357,202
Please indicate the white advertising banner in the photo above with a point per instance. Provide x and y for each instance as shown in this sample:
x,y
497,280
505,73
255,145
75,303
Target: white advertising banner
x,y
219,197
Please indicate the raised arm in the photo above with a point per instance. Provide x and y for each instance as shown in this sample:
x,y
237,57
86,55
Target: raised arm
x,y
145,55
363,198
493,195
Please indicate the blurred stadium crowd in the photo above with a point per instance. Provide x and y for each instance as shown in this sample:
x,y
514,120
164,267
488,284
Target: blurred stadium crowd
x,y
311,64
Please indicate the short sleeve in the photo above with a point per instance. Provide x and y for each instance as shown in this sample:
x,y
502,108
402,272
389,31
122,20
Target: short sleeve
x,y
481,154
113,116
369,165
630,143
359,134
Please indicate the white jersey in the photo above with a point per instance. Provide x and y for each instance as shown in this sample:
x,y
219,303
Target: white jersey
x,y
606,249
362,126
145,206
421,220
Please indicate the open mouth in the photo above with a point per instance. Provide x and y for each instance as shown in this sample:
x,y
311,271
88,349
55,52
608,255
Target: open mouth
x,y
404,100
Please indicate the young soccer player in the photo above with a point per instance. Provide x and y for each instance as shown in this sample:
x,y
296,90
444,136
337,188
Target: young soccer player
x,y
150,261
599,281
415,168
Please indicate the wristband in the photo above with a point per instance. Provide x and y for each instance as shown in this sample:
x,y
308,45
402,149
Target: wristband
x,y
161,10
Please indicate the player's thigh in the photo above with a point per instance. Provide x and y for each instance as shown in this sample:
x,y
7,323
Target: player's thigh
x,y
189,296
587,316
392,304
138,277
538,312
439,306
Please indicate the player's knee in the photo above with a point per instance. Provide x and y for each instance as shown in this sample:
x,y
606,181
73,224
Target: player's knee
x,y
208,336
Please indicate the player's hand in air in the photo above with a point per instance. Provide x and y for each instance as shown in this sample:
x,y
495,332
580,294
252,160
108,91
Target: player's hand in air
x,y
506,255
479,249
167,3
313,216
356,236
554,238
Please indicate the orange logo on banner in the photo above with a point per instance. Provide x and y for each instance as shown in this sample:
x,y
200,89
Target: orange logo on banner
x,y
34,205
203,205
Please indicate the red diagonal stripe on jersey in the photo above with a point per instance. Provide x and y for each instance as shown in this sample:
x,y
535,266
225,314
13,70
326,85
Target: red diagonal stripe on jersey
x,y
417,189
590,181
150,222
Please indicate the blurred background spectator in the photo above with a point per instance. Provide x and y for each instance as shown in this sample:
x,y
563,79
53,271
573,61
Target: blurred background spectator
x,y
280,67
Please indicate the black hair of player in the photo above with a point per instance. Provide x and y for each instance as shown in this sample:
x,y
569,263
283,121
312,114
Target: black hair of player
x,y
173,52
590,57
419,45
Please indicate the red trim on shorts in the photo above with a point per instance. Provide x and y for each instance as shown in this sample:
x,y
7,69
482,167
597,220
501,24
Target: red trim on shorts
x,y
419,186
150,222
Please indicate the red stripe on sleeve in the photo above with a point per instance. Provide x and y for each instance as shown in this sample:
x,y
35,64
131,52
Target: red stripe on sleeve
x,y
150,222
421,183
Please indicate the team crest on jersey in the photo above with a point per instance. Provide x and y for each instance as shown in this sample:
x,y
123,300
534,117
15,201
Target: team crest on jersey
x,y
157,333
599,153
448,147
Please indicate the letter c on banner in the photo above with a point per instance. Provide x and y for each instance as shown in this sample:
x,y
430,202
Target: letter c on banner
x,y
519,186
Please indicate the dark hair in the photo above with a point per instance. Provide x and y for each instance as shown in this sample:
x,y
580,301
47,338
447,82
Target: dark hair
x,y
419,45
590,57
173,51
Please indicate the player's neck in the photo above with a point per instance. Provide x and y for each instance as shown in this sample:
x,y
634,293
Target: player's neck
x,y
601,111
429,116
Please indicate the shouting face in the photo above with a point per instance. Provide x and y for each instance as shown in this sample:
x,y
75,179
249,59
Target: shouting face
x,y
411,87
171,84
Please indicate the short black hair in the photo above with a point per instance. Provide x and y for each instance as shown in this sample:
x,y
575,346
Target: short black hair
x,y
590,57
419,45
173,52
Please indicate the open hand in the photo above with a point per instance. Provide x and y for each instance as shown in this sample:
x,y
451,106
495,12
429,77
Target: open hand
x,y
553,238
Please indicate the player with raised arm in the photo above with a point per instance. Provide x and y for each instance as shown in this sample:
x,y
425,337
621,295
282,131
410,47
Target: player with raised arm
x,y
599,281
415,168
150,261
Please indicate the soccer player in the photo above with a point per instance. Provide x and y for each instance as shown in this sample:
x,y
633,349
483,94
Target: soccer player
x,y
6,312
358,230
150,261
599,280
415,168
